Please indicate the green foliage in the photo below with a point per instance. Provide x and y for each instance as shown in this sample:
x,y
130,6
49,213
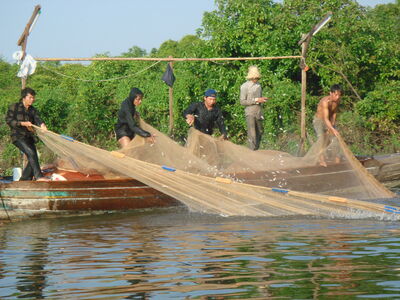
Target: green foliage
x,y
54,108
380,109
135,51
11,155
359,46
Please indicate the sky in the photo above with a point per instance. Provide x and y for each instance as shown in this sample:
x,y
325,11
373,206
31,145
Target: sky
x,y
84,28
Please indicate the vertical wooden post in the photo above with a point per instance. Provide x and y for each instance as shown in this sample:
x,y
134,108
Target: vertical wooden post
x,y
23,79
171,105
304,42
304,68
303,103
23,40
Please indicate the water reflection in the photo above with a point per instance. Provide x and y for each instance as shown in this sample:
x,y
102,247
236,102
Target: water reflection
x,y
139,258
173,255
31,259
31,278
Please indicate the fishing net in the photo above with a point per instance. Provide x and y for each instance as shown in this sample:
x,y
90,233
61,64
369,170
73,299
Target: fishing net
x,y
216,176
343,176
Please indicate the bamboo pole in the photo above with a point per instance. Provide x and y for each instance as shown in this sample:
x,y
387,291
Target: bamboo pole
x,y
166,58
346,202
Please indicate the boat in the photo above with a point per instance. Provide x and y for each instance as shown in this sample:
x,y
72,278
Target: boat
x,y
385,168
336,179
83,194
79,195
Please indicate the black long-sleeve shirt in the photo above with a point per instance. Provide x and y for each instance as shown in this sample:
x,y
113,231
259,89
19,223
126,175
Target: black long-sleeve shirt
x,y
16,114
205,120
126,119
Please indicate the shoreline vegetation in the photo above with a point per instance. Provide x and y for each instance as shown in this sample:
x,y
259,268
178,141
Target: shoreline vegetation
x,y
359,49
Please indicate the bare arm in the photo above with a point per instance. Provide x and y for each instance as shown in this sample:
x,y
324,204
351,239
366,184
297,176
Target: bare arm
x,y
325,116
333,119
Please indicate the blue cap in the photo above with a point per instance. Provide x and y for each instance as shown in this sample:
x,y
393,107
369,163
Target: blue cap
x,y
210,93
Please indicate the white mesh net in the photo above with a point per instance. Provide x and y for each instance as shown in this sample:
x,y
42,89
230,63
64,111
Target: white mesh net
x,y
216,176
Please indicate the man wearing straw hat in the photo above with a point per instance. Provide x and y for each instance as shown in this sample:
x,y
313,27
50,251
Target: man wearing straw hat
x,y
251,98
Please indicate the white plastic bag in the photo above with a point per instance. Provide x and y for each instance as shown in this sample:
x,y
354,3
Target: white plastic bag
x,y
27,66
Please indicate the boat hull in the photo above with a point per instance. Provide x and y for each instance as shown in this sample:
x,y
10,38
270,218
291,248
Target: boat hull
x,y
334,180
28,198
90,194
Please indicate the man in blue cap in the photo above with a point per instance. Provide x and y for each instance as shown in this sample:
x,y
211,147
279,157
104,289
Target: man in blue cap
x,y
206,114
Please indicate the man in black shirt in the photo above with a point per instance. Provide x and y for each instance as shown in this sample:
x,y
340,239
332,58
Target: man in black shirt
x,y
20,117
205,115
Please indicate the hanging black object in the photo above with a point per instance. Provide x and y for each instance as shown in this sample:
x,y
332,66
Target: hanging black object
x,y
168,76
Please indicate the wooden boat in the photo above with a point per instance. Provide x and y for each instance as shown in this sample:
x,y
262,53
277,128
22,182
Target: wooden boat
x,y
80,194
90,194
326,180
386,168
335,180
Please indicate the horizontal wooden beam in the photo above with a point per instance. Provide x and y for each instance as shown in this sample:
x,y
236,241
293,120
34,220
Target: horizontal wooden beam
x,y
165,58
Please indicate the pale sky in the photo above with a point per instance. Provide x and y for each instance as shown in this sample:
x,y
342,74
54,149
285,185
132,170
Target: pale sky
x,y
84,28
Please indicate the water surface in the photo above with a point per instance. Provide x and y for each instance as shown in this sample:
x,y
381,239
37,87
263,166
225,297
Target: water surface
x,y
173,254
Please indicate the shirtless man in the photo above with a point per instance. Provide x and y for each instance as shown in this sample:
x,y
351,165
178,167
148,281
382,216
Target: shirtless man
x,y
325,118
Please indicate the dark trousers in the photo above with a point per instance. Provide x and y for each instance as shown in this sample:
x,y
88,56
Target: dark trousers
x,y
32,169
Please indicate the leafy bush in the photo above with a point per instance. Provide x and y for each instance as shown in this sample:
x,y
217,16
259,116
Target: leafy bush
x,y
359,46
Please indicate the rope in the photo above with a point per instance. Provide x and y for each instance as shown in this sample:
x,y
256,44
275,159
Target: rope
x,y
4,206
99,80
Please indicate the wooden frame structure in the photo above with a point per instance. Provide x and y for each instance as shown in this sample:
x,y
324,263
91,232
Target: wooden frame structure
x,y
23,40
304,42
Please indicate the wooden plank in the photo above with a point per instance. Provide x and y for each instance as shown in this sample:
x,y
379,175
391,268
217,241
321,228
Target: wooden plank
x,y
25,33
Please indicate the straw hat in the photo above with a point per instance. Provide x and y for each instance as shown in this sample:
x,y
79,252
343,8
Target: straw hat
x,y
253,73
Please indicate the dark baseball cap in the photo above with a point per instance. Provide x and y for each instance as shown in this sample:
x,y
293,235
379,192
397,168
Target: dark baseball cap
x,y
210,93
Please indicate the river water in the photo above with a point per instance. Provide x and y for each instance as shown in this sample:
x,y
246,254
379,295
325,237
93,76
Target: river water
x,y
174,254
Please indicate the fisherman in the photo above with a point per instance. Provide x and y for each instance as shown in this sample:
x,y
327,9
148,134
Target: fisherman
x,y
20,117
127,126
325,119
251,98
204,115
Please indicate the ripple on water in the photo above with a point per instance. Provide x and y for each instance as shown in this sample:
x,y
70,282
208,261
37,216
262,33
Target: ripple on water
x,y
173,255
